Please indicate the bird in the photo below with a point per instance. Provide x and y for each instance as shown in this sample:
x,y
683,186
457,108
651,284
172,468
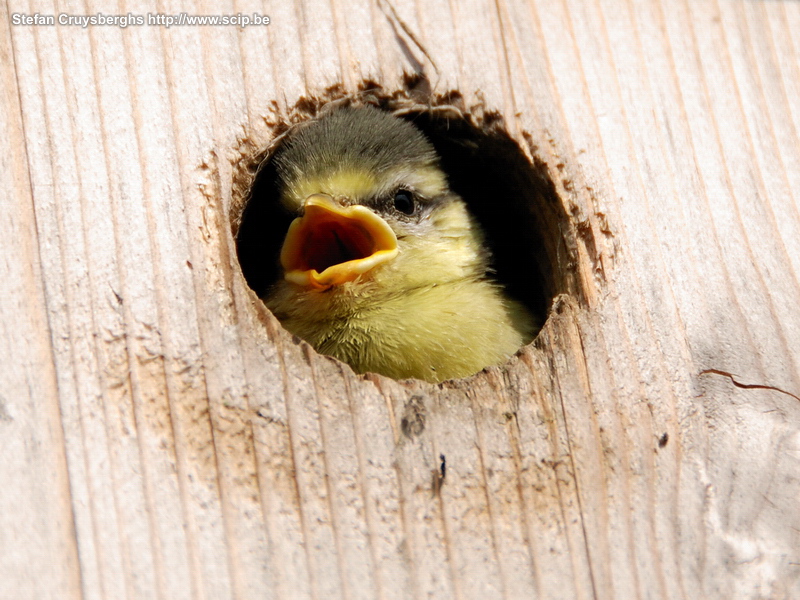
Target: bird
x,y
383,266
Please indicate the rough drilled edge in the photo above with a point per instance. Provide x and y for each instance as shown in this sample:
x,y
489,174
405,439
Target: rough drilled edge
x,y
574,239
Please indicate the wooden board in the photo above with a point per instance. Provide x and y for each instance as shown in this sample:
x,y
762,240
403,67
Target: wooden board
x,y
164,437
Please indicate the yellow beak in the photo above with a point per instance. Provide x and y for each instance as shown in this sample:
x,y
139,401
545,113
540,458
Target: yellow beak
x,y
331,244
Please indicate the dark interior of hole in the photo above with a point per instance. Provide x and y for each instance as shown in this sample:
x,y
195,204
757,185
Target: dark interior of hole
x,y
261,231
514,201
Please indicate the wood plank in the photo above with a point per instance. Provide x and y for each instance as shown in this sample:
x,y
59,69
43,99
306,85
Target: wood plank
x,y
164,437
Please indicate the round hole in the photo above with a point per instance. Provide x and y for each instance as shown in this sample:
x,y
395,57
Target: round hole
x,y
512,198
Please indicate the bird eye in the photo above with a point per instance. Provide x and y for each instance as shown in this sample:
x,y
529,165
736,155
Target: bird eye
x,y
404,202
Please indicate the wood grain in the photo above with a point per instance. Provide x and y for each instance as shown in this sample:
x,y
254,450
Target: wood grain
x,y
36,519
164,437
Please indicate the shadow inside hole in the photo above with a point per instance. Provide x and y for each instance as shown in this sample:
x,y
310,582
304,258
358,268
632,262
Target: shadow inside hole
x,y
263,226
514,201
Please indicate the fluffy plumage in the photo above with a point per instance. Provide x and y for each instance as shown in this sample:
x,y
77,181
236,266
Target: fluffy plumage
x,y
432,312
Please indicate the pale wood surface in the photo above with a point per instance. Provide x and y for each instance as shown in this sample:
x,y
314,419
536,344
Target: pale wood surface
x,y
163,437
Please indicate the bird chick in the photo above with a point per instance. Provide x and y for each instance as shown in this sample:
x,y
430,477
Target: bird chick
x,y
384,268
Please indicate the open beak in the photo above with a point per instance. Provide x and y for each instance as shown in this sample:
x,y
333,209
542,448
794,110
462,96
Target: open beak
x,y
331,244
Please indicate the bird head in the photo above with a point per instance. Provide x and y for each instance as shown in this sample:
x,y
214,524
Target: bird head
x,y
374,209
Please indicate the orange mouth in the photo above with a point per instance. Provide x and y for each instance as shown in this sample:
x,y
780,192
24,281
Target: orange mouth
x,y
330,244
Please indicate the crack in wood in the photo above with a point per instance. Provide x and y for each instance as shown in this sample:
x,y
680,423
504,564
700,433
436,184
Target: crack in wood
x,y
747,386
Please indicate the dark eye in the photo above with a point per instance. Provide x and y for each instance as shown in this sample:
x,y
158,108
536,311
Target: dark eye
x,y
404,202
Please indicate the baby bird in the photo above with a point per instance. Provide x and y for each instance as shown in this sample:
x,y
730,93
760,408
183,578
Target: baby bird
x,y
383,267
